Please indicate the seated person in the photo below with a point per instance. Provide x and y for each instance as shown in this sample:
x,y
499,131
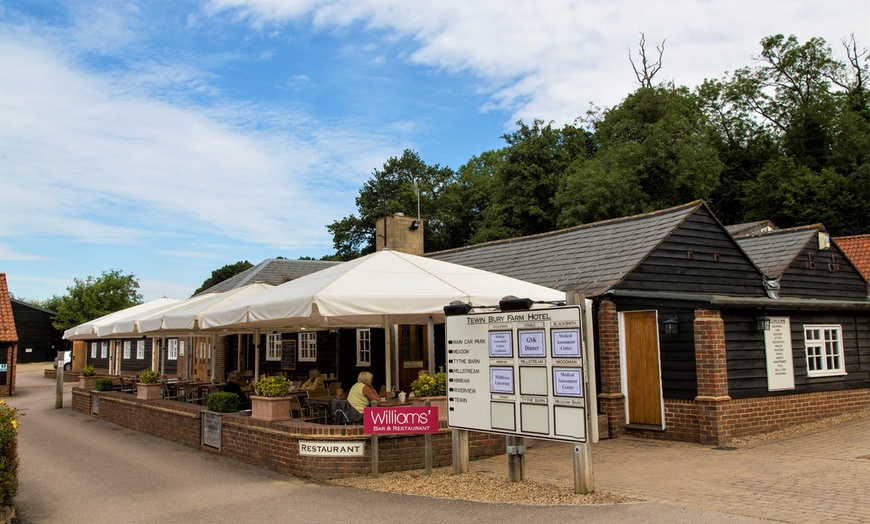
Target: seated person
x,y
232,386
362,393
314,385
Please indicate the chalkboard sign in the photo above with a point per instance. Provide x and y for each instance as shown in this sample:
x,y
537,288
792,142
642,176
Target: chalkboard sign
x,y
288,354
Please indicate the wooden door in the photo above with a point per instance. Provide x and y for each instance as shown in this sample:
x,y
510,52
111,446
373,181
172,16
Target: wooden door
x,y
413,354
201,355
79,355
643,380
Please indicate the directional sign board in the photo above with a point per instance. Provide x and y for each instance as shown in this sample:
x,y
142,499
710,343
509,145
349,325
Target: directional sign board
x,y
519,373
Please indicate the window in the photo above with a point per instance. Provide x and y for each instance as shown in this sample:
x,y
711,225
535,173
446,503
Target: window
x,y
363,347
140,349
824,351
128,347
172,349
273,347
93,350
104,349
307,347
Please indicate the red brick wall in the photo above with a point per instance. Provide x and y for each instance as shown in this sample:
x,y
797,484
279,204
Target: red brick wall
x,y
610,398
275,445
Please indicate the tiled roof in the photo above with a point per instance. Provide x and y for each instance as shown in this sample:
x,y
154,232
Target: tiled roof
x,y
751,228
591,258
774,252
857,249
274,271
7,321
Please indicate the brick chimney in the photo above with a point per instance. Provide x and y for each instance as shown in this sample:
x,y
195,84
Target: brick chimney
x,y
403,234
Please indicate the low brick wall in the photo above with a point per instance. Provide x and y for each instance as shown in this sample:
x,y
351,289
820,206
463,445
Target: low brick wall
x,y
275,445
68,376
752,416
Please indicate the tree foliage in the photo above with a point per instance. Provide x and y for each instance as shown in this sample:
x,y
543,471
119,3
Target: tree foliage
x,y
224,273
95,297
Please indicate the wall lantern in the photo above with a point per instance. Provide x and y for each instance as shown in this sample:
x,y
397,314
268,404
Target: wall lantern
x,y
672,325
414,225
762,324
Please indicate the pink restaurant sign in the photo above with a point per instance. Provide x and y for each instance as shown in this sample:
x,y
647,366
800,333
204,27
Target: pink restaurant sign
x,y
400,420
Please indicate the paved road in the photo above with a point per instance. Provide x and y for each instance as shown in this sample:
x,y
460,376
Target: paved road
x,y
75,468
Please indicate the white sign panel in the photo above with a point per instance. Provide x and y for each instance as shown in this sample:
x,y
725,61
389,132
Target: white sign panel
x,y
520,373
331,449
777,349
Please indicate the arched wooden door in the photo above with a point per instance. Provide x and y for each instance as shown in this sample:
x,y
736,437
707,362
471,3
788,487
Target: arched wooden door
x,y
643,385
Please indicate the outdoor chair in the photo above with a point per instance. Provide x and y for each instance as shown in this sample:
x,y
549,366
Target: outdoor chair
x,y
126,385
171,391
344,414
306,412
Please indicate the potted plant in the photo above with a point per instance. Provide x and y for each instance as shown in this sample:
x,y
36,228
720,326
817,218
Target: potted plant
x,y
271,400
88,378
432,388
148,388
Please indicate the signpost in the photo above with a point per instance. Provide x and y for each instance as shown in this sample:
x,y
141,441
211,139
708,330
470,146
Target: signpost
x,y
523,374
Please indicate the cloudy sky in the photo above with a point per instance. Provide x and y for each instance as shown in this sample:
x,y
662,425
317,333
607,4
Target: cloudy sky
x,y
169,138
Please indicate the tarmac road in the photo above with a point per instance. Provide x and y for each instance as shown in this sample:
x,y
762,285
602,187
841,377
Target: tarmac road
x,y
76,468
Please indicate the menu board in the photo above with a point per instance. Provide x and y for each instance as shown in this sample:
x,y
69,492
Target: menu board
x,y
777,350
519,372
288,355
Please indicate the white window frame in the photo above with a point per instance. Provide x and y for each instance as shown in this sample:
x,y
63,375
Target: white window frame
x,y
128,349
273,347
104,349
308,346
140,349
364,347
172,349
93,350
824,350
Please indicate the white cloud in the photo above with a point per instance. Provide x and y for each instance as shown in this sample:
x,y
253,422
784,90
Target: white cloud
x,y
7,252
551,59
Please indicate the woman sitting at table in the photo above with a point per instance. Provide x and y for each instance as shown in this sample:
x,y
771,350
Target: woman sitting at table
x,y
362,393
314,385
232,386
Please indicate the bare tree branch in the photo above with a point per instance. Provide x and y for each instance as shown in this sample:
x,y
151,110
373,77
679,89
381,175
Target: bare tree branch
x,y
648,70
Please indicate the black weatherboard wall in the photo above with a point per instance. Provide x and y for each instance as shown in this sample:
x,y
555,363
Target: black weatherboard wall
x,y
38,340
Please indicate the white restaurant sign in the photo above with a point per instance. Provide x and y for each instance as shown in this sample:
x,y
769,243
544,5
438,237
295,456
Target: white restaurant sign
x,y
777,349
331,449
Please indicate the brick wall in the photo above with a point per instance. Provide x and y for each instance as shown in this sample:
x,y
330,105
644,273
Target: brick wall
x,y
275,445
610,398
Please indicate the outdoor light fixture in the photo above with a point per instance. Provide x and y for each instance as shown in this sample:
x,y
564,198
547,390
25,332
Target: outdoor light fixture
x,y
762,324
515,304
414,225
672,325
458,308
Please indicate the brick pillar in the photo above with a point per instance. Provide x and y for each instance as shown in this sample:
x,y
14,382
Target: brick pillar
x,y
711,368
611,399
219,354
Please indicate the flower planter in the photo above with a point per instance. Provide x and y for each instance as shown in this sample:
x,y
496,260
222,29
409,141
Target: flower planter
x,y
149,391
88,383
271,409
439,402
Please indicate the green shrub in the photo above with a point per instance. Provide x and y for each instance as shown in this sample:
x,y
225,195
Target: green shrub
x,y
223,402
430,385
275,386
148,376
8,454
89,371
104,384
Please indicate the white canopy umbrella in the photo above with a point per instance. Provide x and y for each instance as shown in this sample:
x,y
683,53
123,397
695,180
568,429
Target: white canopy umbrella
x,y
129,324
185,316
365,292
89,329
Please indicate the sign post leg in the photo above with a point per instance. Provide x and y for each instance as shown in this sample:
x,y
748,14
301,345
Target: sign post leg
x,y
460,451
516,451
58,400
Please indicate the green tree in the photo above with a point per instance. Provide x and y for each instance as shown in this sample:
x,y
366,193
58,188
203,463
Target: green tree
x,y
94,297
224,273
395,189
525,183
655,150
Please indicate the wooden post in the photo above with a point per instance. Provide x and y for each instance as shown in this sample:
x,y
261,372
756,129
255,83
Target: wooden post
x,y
460,451
516,453
584,479
427,441
58,400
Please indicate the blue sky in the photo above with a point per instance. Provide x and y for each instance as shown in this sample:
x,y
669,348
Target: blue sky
x,y
168,138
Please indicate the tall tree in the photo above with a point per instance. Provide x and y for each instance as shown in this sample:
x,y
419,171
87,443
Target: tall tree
x,y
224,273
524,185
655,150
393,189
94,297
